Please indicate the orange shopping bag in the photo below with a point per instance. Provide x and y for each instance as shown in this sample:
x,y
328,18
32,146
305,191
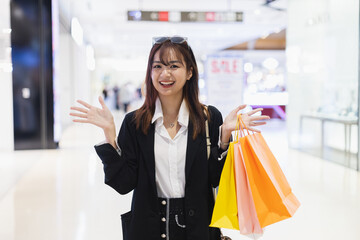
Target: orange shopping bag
x,y
272,195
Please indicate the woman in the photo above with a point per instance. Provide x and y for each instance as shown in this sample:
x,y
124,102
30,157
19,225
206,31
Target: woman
x,y
161,152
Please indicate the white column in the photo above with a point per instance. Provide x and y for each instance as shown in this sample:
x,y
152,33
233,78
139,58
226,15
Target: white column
x,y
6,95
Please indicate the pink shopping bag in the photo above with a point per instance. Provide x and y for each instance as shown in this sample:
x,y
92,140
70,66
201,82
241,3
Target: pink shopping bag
x,y
247,217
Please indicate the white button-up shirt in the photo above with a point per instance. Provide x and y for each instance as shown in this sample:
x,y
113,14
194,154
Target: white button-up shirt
x,y
170,154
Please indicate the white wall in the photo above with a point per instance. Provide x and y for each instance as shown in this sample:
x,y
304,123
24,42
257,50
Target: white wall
x,y
74,77
80,73
65,79
322,62
6,121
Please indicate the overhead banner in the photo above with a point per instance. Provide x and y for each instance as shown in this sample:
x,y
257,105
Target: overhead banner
x,y
166,16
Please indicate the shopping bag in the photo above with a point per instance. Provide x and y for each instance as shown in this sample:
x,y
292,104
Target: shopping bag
x,y
225,209
247,217
272,195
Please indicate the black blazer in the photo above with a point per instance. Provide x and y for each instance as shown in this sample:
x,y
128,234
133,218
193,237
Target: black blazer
x,y
134,169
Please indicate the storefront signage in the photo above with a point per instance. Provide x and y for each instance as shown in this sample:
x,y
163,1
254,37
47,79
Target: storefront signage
x,y
224,80
166,16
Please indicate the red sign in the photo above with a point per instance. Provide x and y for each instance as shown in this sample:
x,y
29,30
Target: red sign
x,y
210,16
224,66
164,16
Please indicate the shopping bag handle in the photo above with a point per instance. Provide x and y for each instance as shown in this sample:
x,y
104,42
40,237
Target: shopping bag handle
x,y
239,131
242,126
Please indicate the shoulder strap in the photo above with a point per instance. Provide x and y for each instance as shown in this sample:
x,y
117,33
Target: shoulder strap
x,y
208,145
208,142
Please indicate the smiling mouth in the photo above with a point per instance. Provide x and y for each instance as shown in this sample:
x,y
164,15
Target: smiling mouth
x,y
167,83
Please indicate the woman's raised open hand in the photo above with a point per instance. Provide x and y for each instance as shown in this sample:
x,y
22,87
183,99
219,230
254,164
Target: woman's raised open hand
x,y
100,117
249,120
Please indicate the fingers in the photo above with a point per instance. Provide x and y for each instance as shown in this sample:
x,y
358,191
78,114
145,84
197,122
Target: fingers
x,y
85,104
83,110
78,115
101,101
257,123
81,120
239,108
254,130
258,118
254,111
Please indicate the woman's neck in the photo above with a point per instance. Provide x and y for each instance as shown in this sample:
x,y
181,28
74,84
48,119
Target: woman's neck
x,y
171,105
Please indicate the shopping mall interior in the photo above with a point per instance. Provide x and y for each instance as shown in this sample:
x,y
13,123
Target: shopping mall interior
x,y
298,60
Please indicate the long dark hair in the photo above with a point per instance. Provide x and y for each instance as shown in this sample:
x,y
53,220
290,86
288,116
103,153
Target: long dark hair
x,y
143,115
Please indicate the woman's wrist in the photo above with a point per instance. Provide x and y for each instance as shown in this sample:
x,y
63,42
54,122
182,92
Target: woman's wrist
x,y
110,134
226,131
225,137
224,146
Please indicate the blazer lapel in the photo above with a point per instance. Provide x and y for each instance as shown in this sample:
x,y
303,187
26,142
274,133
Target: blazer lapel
x,y
191,149
147,144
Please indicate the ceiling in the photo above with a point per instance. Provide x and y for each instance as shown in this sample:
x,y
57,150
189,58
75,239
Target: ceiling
x,y
274,41
106,27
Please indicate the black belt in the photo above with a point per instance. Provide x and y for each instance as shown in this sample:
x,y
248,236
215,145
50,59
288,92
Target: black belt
x,y
173,205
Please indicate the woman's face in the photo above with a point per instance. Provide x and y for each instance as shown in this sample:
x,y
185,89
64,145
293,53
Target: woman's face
x,y
170,79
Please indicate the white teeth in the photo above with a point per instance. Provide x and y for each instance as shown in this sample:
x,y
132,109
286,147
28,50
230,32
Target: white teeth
x,y
167,83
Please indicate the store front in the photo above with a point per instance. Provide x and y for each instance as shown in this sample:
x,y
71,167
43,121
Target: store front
x,y
323,79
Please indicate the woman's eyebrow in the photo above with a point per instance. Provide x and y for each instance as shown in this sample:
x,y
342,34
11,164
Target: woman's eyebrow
x,y
175,61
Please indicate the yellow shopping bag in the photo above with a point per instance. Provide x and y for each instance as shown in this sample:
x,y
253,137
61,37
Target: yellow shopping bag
x,y
225,209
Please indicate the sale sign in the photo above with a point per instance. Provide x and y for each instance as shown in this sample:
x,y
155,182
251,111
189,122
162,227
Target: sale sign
x,y
224,79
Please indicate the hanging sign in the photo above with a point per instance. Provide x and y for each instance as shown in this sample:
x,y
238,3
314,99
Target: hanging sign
x,y
167,16
224,78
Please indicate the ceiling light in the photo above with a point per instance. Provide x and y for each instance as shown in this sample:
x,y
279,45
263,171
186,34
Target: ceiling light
x,y
248,67
270,63
77,32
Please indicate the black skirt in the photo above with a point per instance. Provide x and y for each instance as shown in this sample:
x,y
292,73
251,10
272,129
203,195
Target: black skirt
x,y
173,225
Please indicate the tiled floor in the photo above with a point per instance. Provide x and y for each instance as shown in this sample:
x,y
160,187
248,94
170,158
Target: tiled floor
x,y
60,194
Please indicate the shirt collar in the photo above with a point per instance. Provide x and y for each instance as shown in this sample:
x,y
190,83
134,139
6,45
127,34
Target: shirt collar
x,y
183,117
158,114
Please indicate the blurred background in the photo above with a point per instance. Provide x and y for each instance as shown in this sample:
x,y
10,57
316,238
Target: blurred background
x,y
298,60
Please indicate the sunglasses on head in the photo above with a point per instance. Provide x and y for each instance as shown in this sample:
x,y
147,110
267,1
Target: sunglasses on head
x,y
177,40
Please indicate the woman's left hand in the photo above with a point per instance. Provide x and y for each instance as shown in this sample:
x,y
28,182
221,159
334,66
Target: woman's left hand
x,y
249,120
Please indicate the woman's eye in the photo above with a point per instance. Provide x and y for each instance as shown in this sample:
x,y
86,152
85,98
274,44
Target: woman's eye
x,y
156,66
174,66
